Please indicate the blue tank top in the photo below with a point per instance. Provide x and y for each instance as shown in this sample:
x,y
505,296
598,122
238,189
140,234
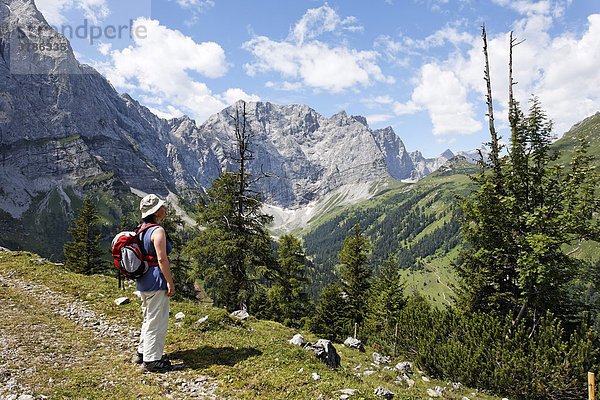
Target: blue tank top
x,y
154,278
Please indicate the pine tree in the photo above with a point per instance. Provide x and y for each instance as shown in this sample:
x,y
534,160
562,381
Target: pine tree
x,y
355,272
524,212
287,293
332,317
387,299
83,254
181,268
233,249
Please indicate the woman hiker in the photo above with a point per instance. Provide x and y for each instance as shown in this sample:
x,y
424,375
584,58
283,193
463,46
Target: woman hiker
x,y
155,287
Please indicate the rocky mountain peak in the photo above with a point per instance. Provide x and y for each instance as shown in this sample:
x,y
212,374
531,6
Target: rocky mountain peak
x,y
448,154
23,28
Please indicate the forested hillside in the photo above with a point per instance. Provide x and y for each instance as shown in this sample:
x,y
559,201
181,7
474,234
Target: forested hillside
x,y
412,222
416,222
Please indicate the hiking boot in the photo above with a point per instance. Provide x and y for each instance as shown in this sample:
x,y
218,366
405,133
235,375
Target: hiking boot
x,y
138,358
157,366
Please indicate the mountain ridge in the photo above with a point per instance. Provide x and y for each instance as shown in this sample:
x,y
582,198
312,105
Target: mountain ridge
x,y
64,131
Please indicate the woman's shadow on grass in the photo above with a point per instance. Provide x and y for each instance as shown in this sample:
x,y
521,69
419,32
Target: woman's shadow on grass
x,y
205,356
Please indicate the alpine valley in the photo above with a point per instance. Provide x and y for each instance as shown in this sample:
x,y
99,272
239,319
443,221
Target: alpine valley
x,y
66,133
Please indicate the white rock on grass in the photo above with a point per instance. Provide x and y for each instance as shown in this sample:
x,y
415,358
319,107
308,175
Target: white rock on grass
x,y
179,315
354,344
297,340
379,359
437,392
383,392
316,376
404,366
202,320
240,314
122,300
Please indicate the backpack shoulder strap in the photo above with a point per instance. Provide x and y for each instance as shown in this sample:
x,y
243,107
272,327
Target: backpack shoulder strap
x,y
140,232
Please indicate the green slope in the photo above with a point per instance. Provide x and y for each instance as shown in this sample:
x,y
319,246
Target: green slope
x,y
412,222
66,338
415,223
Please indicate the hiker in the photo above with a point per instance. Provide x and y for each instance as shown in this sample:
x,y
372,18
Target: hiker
x,y
155,287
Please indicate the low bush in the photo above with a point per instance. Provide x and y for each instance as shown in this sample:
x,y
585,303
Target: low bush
x,y
491,353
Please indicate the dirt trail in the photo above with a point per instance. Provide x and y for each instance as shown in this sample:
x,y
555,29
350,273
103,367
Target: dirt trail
x,y
51,343
443,293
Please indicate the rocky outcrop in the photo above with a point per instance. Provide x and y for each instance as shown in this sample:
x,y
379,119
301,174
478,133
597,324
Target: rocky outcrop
x,y
325,352
398,161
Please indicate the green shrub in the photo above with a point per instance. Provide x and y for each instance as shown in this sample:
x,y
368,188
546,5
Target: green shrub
x,y
520,361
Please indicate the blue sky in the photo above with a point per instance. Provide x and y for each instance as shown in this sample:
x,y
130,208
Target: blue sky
x,y
415,65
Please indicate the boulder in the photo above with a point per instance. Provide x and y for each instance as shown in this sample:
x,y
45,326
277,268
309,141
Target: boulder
x,y
240,314
379,359
437,392
404,366
297,340
122,300
179,315
202,320
384,393
316,376
325,352
354,344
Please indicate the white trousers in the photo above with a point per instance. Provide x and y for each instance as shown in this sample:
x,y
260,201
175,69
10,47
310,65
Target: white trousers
x,y
155,310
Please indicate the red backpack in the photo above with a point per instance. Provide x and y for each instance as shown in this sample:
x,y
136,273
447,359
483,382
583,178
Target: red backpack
x,y
128,253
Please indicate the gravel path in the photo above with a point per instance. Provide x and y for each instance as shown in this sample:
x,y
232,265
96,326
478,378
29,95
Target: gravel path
x,y
35,340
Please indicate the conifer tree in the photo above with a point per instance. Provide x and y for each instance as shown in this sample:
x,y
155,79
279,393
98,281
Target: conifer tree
x,y
525,211
83,254
355,272
233,249
287,294
332,317
387,299
181,268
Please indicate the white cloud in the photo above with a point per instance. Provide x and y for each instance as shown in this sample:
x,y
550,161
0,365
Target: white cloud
x,y
104,48
234,94
445,98
317,21
377,101
526,6
160,65
315,63
378,118
197,4
194,7
405,48
562,70
569,82
54,10
169,113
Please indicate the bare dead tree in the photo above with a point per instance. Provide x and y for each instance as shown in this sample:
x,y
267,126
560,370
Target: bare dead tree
x,y
495,147
511,82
